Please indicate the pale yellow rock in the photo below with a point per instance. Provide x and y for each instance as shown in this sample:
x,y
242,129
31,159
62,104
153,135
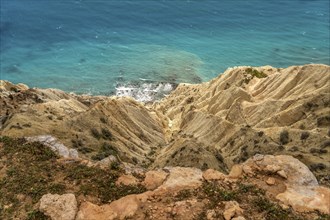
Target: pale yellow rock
x,y
59,207
236,171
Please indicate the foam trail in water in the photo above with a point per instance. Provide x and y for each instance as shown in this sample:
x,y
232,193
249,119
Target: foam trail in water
x,y
145,92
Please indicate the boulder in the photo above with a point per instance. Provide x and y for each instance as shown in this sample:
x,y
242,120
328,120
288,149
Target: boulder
x,y
211,174
154,179
181,178
59,207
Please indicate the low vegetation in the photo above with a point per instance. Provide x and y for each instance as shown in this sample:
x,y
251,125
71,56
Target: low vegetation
x,y
284,137
32,170
254,73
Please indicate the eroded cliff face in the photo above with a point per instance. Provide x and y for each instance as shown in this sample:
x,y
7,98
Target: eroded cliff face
x,y
215,124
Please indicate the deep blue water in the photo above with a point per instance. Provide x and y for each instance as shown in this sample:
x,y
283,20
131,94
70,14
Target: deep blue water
x,y
91,46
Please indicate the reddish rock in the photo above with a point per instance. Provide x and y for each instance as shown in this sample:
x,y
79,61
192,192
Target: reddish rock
x,y
90,211
211,174
232,209
181,178
127,180
154,179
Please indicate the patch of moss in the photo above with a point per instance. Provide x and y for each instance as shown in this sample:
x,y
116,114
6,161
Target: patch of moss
x,y
184,194
272,210
105,150
255,73
284,137
106,134
36,215
216,193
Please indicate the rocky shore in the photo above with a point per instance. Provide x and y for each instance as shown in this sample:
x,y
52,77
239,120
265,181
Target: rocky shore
x,y
252,143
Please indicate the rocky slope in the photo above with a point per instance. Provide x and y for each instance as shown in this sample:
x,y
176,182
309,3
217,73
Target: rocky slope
x,y
35,183
211,125
243,112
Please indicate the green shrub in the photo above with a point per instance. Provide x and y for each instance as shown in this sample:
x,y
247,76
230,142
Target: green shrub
x,y
95,133
255,73
106,134
304,135
284,137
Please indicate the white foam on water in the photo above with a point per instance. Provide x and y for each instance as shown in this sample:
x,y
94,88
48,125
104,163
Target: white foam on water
x,y
145,92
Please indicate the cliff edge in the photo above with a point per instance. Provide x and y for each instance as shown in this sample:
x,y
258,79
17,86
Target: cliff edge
x,y
245,111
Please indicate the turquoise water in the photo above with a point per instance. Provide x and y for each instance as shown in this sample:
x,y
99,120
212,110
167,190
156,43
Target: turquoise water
x,y
94,46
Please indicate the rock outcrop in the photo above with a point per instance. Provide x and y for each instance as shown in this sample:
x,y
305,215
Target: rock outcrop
x,y
301,191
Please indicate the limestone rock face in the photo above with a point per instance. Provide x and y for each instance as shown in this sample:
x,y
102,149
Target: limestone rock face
x,y
59,207
296,172
55,145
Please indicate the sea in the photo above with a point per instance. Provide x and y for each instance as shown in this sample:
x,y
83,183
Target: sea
x,y
144,48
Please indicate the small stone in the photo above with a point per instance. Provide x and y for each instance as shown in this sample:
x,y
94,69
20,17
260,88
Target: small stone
x,y
270,181
282,174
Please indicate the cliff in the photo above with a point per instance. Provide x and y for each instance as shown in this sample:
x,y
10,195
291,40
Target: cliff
x,y
214,125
